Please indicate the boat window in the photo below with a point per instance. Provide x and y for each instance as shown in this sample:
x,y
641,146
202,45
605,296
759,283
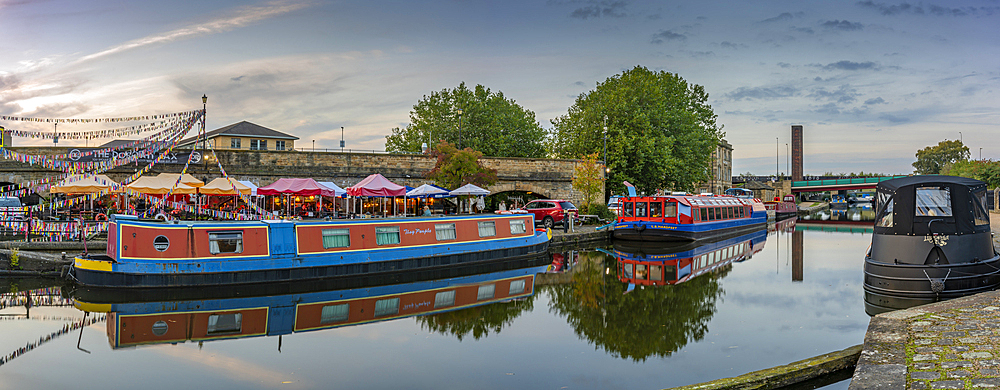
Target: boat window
x,y
640,271
225,242
516,287
979,208
487,229
704,214
655,272
225,323
333,313
486,292
444,299
886,219
933,202
627,209
718,213
640,209
628,270
517,226
444,231
336,238
656,209
386,307
670,210
711,213
386,235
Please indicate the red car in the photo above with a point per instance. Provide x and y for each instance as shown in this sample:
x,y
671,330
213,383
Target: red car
x,y
550,211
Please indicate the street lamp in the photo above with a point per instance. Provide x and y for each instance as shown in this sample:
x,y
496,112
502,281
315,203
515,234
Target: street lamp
x,y
459,128
342,139
980,154
314,146
960,137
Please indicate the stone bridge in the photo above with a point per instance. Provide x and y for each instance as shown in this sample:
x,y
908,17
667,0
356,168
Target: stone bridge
x,y
549,178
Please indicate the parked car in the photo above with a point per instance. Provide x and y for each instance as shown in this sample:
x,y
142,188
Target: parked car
x,y
549,212
11,209
615,205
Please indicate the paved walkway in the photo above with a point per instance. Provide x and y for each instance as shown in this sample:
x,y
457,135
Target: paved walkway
x,y
946,345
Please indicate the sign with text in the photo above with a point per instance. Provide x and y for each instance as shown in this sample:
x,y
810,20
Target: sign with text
x,y
100,155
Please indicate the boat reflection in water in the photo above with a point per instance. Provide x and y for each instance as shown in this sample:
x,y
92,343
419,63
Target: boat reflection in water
x,y
648,265
158,319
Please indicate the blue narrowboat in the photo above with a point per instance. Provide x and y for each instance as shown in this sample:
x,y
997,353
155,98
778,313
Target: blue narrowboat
x,y
685,217
646,264
143,254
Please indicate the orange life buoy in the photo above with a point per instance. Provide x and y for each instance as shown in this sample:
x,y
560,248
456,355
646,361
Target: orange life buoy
x,y
101,217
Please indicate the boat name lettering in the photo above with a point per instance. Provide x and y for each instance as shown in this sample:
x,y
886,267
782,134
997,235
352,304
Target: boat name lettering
x,y
413,306
937,240
416,231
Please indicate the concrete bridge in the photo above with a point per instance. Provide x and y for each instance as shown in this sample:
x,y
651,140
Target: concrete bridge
x,y
547,178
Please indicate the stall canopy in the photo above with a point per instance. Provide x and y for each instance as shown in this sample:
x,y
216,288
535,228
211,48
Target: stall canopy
x,y
334,187
79,184
251,186
187,179
295,186
160,185
470,189
376,185
224,186
428,191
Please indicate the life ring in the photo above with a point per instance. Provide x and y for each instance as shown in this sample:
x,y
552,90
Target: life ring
x,y
101,217
162,217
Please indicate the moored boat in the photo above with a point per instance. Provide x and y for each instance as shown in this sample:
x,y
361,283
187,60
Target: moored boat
x,y
685,217
931,241
142,254
648,265
784,208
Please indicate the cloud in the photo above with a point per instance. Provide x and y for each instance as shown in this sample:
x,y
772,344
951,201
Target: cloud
x,y
843,94
603,9
893,118
902,8
842,25
784,16
931,9
244,16
851,65
667,35
763,93
804,30
733,46
877,100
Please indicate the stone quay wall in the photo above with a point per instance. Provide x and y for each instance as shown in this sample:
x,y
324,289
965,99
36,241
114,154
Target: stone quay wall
x,y
550,178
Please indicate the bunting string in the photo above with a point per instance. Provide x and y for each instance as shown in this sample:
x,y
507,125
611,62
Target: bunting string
x,y
101,120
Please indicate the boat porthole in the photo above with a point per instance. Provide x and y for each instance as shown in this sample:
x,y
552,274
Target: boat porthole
x,y
133,235
125,247
160,328
161,243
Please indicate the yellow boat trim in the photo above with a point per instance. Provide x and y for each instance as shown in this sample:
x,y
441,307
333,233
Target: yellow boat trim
x,y
93,265
93,307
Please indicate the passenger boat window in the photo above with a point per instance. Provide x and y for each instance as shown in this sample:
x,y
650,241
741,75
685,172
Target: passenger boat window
x,y
711,213
640,271
386,307
333,313
225,323
655,272
718,213
933,202
444,299
386,235
487,229
225,242
517,226
628,270
670,210
704,214
516,287
444,231
486,292
694,215
979,208
640,209
886,219
656,209
627,209
336,238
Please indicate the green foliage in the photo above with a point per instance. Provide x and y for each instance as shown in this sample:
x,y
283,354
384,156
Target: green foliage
x,y
661,131
587,178
456,168
489,122
985,170
477,321
599,209
15,262
931,159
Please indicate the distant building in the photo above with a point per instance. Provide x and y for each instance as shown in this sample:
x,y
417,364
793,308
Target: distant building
x,y
5,138
244,136
722,170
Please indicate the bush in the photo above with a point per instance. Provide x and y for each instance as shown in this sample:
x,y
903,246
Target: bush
x,y
598,209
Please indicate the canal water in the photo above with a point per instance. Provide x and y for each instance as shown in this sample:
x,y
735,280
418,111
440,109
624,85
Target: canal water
x,y
581,319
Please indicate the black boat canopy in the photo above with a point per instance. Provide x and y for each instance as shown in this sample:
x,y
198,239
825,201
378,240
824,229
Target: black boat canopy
x,y
922,205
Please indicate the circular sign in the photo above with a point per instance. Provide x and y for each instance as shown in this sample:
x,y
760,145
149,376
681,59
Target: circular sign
x,y
196,157
160,328
75,154
161,243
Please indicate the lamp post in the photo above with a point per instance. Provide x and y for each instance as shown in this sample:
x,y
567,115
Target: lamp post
x,y
460,129
342,139
960,137
314,146
980,154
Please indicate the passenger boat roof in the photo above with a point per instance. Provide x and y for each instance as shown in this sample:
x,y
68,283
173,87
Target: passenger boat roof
x,y
892,185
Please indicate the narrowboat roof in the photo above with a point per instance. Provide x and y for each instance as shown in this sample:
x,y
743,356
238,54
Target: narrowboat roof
x,y
922,205
895,184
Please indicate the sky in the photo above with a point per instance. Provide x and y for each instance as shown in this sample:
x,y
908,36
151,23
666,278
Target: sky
x,y
872,82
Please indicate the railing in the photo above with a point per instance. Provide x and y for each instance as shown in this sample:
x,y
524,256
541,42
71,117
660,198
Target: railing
x,y
834,182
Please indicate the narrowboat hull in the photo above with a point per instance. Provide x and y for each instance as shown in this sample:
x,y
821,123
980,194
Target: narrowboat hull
x,y
154,255
782,210
669,232
899,286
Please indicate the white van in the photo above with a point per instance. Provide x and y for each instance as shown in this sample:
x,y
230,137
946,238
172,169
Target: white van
x,y
11,209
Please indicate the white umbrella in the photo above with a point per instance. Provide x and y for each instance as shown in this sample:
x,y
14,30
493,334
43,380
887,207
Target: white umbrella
x,y
470,189
425,190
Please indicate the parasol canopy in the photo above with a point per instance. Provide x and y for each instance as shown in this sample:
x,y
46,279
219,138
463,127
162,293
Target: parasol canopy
x,y
428,191
251,186
186,179
336,189
159,185
470,189
295,186
80,184
376,185
224,186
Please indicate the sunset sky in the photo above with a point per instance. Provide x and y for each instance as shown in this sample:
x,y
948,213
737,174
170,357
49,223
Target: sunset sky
x,y
872,82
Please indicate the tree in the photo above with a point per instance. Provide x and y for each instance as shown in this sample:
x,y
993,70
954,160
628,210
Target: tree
x,y
931,159
489,122
661,132
587,178
456,168
985,170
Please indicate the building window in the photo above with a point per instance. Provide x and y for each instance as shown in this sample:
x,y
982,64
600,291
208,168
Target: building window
x,y
487,229
386,307
336,238
387,235
444,299
444,231
234,143
517,226
279,145
486,292
258,144
516,287
225,242
225,323
333,313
